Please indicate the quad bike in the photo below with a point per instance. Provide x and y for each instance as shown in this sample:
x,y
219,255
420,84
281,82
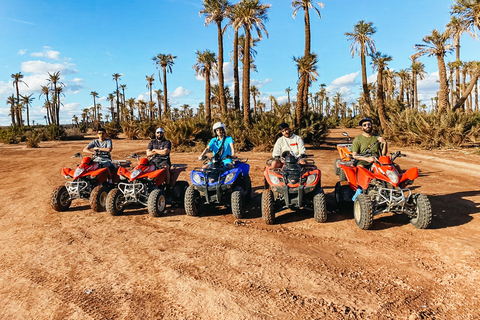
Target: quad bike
x,y
145,185
219,185
92,180
382,189
345,156
293,186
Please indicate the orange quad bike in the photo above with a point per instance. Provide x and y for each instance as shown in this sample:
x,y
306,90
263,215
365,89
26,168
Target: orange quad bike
x,y
382,189
293,186
345,156
92,180
145,185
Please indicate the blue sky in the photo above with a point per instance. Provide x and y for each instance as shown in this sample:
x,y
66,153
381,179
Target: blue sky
x,y
88,41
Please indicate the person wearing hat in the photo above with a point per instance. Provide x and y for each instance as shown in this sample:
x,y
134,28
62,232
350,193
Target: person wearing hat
x,y
288,142
221,145
367,140
159,149
100,147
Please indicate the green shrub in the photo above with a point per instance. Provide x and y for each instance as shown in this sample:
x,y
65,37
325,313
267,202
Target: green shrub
x,y
264,131
54,132
130,129
113,129
12,135
33,137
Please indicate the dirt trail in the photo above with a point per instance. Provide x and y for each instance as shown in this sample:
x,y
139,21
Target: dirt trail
x,y
85,265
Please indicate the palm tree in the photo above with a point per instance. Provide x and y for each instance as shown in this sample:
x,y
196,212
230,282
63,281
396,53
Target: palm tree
x,y
288,90
165,61
306,5
150,81
232,13
418,70
17,78
27,102
363,44
403,74
116,77
469,12
158,93
123,87
45,91
94,95
457,27
255,93
56,86
251,15
111,98
379,62
475,66
11,101
305,65
206,67
214,12
437,44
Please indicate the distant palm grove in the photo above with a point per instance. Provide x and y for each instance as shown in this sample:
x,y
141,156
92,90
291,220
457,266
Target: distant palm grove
x,y
452,118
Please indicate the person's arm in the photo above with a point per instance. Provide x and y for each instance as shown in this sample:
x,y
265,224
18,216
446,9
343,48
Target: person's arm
x,y
204,152
277,149
90,148
301,147
161,152
384,146
356,150
232,149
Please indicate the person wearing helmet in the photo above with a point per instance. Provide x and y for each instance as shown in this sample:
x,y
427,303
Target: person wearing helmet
x,y
288,143
368,141
159,149
221,145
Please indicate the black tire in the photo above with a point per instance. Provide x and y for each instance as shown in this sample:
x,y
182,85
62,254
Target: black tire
x,y
268,212
337,168
247,186
362,211
156,203
115,202
237,203
191,201
424,212
98,198
178,191
60,199
319,206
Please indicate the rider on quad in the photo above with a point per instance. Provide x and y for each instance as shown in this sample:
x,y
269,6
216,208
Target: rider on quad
x,y
368,141
288,143
159,149
101,149
221,145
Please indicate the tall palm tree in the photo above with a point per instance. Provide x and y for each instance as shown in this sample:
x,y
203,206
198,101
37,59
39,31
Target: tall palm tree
x,y
418,71
255,93
306,5
17,78
123,87
45,91
322,95
27,103
251,15
288,90
437,44
363,44
305,65
232,14
403,75
379,62
159,95
116,77
94,94
215,11
457,27
206,67
165,61
150,81
475,66
11,101
111,98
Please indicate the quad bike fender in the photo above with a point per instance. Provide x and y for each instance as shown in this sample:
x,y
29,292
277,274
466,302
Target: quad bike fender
x,y
102,174
67,172
158,175
174,173
410,174
363,177
351,174
123,172
245,167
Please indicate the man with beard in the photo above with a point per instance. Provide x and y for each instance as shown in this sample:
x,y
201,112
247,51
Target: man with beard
x,y
368,140
159,149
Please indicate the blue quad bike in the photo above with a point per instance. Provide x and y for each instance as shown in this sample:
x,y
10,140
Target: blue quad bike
x,y
219,185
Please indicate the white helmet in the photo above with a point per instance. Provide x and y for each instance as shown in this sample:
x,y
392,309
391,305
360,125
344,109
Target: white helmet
x,y
219,125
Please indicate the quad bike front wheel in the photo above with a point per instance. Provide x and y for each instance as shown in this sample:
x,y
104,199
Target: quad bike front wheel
x,y
115,202
423,211
268,212
237,203
98,198
362,211
156,203
60,199
191,201
319,206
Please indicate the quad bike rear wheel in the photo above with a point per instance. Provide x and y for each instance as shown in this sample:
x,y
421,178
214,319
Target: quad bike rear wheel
x,y
192,197
362,211
319,206
268,211
423,211
237,203
156,203
115,202
60,199
98,198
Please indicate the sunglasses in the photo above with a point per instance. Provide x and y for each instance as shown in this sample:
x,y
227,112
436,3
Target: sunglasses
x,y
366,125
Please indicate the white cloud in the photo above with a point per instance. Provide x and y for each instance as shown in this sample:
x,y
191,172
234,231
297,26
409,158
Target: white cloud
x,y
22,51
347,85
180,92
42,67
47,53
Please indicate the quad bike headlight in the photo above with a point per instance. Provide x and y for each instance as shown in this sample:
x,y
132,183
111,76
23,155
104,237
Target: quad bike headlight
x,y
229,177
274,179
393,176
135,173
311,179
78,172
198,179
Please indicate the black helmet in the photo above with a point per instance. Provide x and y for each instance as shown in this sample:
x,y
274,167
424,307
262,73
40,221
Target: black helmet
x,y
365,120
283,125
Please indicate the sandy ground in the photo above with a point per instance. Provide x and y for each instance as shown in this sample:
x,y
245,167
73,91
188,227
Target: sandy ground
x,y
86,265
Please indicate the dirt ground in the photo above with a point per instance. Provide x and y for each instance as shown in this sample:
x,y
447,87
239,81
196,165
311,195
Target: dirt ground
x,y
81,264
